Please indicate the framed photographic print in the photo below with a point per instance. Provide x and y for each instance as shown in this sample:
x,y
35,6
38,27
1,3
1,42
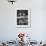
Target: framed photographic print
x,y
23,17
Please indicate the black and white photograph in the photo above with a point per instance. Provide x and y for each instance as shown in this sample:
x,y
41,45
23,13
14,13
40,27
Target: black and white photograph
x,y
23,18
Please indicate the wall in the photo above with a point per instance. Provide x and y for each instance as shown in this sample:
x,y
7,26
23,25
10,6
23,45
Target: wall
x,y
8,28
